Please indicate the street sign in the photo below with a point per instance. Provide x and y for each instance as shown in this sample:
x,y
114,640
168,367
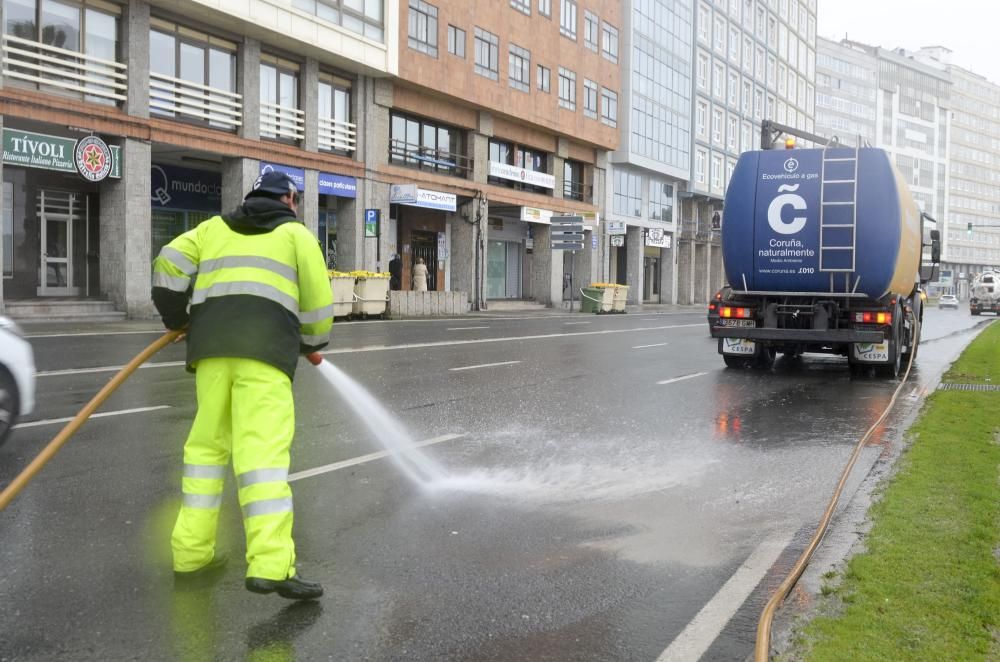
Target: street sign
x,y
567,233
617,240
372,222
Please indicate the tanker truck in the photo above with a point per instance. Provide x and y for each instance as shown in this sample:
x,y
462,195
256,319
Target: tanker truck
x,y
824,252
985,293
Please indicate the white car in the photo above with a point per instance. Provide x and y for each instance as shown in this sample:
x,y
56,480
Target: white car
x,y
17,376
948,301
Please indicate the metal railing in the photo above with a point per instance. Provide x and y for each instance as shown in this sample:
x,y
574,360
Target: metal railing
x,y
51,66
577,191
176,97
337,135
427,158
281,122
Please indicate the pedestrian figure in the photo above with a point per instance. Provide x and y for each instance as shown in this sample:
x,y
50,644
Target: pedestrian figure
x,y
259,293
395,272
420,276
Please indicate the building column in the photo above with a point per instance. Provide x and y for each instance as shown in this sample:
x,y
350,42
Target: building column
x,y
546,268
700,294
468,236
248,66
716,274
238,177
310,106
135,43
479,148
634,267
685,272
126,217
668,272
309,206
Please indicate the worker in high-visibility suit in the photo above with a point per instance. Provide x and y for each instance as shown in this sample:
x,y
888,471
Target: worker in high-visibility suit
x,y
259,297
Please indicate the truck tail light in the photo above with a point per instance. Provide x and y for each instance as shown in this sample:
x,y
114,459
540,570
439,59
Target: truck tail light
x,y
869,317
738,313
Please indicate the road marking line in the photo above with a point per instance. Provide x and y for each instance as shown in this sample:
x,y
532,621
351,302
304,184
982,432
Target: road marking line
x,y
343,464
385,348
120,412
484,365
682,378
659,344
571,323
110,368
705,627
465,328
94,333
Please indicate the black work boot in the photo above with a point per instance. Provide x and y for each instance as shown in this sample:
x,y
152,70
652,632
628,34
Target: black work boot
x,y
293,588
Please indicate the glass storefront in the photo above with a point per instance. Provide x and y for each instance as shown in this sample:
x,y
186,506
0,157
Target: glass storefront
x,y
181,199
503,269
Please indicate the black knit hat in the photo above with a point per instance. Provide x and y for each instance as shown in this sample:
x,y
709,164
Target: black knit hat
x,y
273,183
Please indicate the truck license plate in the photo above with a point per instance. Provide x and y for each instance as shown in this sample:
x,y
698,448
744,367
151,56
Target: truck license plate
x,y
740,346
731,322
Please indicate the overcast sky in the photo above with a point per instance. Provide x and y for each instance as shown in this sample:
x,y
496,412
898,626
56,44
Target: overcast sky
x,y
970,28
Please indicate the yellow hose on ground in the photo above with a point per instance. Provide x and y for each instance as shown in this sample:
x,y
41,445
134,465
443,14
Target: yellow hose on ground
x,y
763,643
23,478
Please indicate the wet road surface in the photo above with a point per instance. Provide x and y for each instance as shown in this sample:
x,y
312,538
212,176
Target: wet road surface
x,y
613,493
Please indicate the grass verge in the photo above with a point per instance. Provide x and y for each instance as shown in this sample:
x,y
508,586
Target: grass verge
x,y
928,585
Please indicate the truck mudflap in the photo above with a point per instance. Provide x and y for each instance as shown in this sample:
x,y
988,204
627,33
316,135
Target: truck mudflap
x,y
870,352
818,336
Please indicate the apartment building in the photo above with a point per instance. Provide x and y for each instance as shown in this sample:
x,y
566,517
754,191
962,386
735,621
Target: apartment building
x,y
508,109
753,60
846,92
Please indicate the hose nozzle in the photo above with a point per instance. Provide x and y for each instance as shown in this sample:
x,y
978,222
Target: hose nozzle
x,y
315,358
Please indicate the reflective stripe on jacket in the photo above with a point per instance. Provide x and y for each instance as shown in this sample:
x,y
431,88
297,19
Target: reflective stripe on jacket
x,y
263,294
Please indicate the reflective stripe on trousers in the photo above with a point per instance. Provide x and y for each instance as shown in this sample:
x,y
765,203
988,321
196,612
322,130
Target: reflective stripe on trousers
x,y
246,414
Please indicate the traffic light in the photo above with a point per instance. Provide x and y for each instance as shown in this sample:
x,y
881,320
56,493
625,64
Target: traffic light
x,y
969,230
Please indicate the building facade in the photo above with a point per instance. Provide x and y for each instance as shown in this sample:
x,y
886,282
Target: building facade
x,y
846,92
411,128
754,60
653,161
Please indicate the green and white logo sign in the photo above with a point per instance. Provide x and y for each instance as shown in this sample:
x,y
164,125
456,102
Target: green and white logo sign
x,y
37,150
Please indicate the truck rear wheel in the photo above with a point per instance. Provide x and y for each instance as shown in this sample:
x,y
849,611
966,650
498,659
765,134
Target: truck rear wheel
x,y
764,358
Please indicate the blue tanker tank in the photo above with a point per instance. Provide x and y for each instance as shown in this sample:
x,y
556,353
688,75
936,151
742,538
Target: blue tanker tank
x,y
820,221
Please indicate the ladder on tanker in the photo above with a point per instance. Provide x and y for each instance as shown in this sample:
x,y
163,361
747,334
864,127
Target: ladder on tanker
x,y
838,211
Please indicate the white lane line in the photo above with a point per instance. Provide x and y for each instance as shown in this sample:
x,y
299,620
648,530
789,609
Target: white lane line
x,y
484,365
385,348
572,323
465,328
659,344
120,412
107,368
705,627
343,464
94,333
682,378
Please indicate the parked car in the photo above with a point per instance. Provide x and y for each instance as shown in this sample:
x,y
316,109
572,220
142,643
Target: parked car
x,y
713,305
17,376
948,301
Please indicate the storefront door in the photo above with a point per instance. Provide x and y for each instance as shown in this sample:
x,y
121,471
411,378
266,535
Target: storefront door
x,y
651,279
503,270
62,215
425,245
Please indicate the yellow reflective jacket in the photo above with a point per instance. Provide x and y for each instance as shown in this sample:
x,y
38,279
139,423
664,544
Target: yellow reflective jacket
x,y
256,282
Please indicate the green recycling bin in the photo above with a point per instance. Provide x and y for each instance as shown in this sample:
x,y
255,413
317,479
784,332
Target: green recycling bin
x,y
595,300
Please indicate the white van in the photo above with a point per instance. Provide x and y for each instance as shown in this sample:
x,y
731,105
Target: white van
x,y
17,376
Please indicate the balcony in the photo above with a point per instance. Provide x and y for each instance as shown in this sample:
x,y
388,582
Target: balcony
x,y
96,79
174,97
577,191
281,122
337,136
426,158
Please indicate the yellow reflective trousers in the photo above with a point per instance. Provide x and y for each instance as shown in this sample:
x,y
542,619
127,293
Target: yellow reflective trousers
x,y
245,412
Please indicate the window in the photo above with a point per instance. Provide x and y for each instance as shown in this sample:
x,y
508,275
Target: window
x,y
545,8
609,42
573,187
700,158
703,81
72,27
716,171
423,27
628,193
717,126
543,78
567,89
609,107
523,6
567,19
427,145
661,200
731,124
519,68
521,157
364,18
718,80
487,54
746,97
591,25
720,34
745,145
734,44
590,98
197,59
456,41
279,98
335,114
704,22
701,120
734,92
